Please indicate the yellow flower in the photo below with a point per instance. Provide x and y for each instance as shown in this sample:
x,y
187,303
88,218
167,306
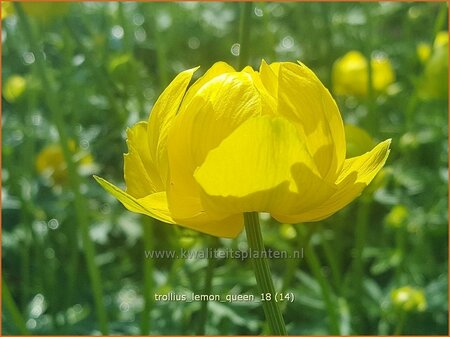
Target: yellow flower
x,y
397,217
358,140
50,163
423,51
434,81
7,9
14,88
441,39
409,299
268,141
350,74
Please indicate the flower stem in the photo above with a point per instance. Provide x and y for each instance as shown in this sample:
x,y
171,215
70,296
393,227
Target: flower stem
x,y
244,33
147,229
331,257
263,276
9,304
372,120
313,261
400,323
74,179
362,218
203,314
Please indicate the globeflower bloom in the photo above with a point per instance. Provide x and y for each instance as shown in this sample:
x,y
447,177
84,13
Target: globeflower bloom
x,y
14,87
350,74
251,141
409,299
434,81
51,166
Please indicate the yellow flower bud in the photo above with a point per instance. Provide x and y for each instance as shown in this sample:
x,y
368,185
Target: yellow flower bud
x,y
251,141
288,232
7,9
397,217
358,140
441,40
409,299
350,74
14,88
50,163
423,51
187,241
121,66
434,81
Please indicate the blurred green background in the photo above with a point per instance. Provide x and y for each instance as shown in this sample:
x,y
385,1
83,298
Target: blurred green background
x,y
76,75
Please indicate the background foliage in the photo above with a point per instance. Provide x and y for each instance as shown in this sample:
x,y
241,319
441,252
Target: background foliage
x,y
76,75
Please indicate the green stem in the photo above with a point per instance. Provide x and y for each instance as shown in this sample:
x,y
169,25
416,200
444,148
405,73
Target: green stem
x,y
357,270
316,268
441,19
292,266
400,323
330,255
71,231
74,179
11,306
401,249
269,36
99,72
244,33
328,56
362,218
372,120
147,229
263,275
159,38
207,287
127,37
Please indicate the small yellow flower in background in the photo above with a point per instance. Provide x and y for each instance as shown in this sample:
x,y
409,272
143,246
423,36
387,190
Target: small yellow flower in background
x,y
50,163
14,87
7,9
121,66
287,231
187,241
358,140
397,216
423,51
409,299
434,81
350,74
252,141
441,39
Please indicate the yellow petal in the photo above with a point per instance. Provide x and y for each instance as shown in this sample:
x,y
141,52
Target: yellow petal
x,y
216,110
269,77
153,205
141,176
229,227
268,100
263,166
160,121
304,100
216,69
356,174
